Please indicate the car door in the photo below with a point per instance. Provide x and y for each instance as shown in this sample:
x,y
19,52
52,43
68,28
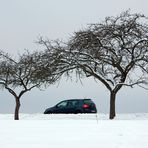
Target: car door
x,y
72,106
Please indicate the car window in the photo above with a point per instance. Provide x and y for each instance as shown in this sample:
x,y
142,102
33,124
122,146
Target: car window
x,y
73,103
88,102
62,104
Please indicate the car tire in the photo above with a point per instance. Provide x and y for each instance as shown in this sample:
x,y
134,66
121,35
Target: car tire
x,y
49,112
78,111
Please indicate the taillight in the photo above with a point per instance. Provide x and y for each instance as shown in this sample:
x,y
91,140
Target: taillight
x,y
85,106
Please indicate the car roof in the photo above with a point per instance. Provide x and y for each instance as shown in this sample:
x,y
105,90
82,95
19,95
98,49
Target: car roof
x,y
75,99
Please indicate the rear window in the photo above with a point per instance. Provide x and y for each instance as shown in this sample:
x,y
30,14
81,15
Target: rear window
x,y
89,101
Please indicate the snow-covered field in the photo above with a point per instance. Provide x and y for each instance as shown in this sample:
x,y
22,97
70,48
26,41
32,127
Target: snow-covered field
x,y
74,131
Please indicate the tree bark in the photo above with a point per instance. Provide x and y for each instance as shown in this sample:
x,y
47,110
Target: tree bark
x,y
17,107
112,105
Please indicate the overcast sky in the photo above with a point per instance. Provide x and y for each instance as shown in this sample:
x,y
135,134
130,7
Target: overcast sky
x,y
23,21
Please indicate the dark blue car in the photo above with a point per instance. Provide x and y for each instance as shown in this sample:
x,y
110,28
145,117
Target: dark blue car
x,y
73,106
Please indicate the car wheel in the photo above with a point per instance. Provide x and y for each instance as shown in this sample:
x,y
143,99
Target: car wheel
x,y
49,112
77,112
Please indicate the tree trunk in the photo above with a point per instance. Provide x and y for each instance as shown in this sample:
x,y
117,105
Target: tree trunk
x,y
17,107
112,105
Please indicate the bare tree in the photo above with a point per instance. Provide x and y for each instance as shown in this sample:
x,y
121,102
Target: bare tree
x,y
55,51
115,52
22,75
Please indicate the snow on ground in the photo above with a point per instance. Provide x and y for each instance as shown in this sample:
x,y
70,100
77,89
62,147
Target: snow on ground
x,y
74,131
132,116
